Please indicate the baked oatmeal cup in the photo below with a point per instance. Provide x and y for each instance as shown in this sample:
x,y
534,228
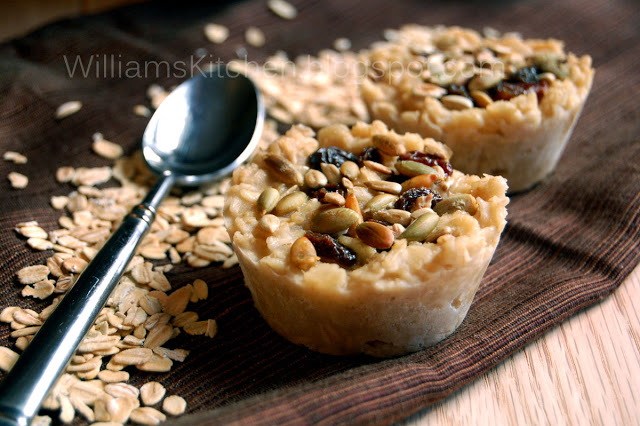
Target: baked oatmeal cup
x,y
362,240
506,106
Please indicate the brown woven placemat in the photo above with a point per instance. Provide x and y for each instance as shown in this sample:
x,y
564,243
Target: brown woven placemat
x,y
569,242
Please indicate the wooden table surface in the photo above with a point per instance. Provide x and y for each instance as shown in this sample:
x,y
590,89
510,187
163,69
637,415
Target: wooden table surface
x,y
584,372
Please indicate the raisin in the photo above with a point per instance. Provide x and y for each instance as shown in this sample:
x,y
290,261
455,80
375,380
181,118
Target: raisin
x,y
428,159
370,153
521,82
457,89
330,250
409,197
321,192
331,155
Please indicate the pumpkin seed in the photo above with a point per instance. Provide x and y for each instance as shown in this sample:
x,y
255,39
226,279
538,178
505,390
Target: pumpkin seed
x,y
334,220
363,251
463,202
267,200
290,203
420,228
414,168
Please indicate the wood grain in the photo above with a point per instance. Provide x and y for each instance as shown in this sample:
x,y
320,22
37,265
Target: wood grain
x,y
584,372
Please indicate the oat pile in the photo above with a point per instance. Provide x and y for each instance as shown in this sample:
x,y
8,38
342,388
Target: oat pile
x,y
144,312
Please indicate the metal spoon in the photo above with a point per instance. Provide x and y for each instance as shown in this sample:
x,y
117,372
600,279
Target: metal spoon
x,y
204,129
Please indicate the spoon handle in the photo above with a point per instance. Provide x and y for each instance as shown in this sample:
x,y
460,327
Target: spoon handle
x,y
27,384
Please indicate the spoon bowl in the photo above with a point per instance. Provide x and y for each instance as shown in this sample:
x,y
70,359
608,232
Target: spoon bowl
x,y
203,129
198,137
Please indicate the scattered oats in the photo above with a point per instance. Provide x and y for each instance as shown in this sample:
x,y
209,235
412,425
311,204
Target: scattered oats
x,y
151,393
142,111
41,421
200,289
147,416
32,274
14,157
216,33
174,405
212,328
18,180
68,108
7,358
158,335
197,328
117,390
113,376
342,44
106,149
157,364
135,356
91,176
6,315
254,36
283,9
32,231
40,290
65,174
177,301
39,244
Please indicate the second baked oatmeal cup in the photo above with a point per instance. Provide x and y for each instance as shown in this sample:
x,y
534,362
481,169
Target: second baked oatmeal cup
x,y
504,105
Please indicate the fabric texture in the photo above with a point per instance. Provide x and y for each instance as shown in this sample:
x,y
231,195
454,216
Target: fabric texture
x,y
569,242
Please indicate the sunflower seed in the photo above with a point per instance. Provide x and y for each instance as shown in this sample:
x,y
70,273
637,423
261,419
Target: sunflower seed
x,y
456,102
315,179
421,181
303,254
384,186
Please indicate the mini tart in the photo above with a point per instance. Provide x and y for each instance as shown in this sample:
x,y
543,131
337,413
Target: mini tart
x,y
368,259
504,105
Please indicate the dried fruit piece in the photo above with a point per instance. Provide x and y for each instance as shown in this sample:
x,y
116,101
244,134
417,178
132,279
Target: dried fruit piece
x,y
331,155
409,197
330,250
